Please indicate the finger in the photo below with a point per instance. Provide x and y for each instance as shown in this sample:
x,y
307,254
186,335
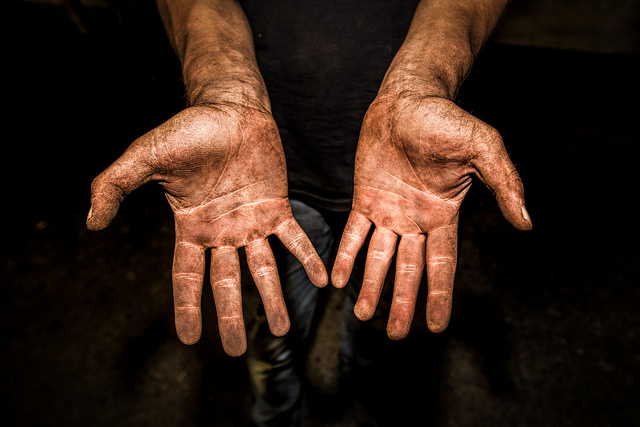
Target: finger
x,y
188,272
128,172
381,250
442,246
297,242
262,266
227,294
353,237
409,267
494,167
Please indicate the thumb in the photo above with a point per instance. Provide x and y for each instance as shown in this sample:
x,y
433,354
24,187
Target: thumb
x,y
495,169
108,189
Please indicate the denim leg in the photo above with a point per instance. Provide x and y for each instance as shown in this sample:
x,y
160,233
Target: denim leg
x,y
275,363
359,341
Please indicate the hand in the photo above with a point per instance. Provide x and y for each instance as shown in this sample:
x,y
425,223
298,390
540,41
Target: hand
x,y
223,170
414,163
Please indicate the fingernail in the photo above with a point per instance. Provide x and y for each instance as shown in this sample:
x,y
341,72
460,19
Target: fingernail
x,y
90,213
525,215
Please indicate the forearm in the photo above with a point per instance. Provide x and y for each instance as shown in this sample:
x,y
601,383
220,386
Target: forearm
x,y
441,44
213,41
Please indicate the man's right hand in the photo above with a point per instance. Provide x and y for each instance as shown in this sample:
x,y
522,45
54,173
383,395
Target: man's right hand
x,y
223,170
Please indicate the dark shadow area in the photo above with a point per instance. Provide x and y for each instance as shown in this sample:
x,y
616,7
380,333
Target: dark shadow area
x,y
545,328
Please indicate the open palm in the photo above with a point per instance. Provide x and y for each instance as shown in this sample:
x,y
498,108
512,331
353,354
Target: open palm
x,y
223,171
414,163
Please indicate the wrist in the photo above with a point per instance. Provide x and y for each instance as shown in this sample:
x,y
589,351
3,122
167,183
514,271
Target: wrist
x,y
242,89
409,82
214,76
215,48
429,70
441,45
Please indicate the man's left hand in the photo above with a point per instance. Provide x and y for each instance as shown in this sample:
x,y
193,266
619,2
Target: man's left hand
x,y
414,164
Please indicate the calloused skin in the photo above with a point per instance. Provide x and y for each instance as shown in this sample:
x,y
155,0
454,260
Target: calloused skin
x,y
222,166
416,156
223,170
414,165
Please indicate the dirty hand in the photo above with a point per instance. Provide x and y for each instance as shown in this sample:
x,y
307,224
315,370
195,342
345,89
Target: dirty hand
x,y
223,170
414,163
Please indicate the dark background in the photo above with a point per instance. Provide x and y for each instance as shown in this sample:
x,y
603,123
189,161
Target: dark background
x,y
545,330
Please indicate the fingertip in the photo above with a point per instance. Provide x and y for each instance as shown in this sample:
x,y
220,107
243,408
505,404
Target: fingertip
x,y
397,332
437,326
233,335
278,321
188,321
339,278
322,283
105,203
92,226
188,339
527,224
235,346
342,268
188,335
519,218
363,311
236,351
280,327
98,219
361,315
338,283
438,313
317,273
513,208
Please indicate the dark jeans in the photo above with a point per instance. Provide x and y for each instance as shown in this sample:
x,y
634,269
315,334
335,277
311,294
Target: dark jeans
x,y
276,364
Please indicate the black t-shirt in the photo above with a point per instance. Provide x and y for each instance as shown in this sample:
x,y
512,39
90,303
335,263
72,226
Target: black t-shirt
x,y
323,62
